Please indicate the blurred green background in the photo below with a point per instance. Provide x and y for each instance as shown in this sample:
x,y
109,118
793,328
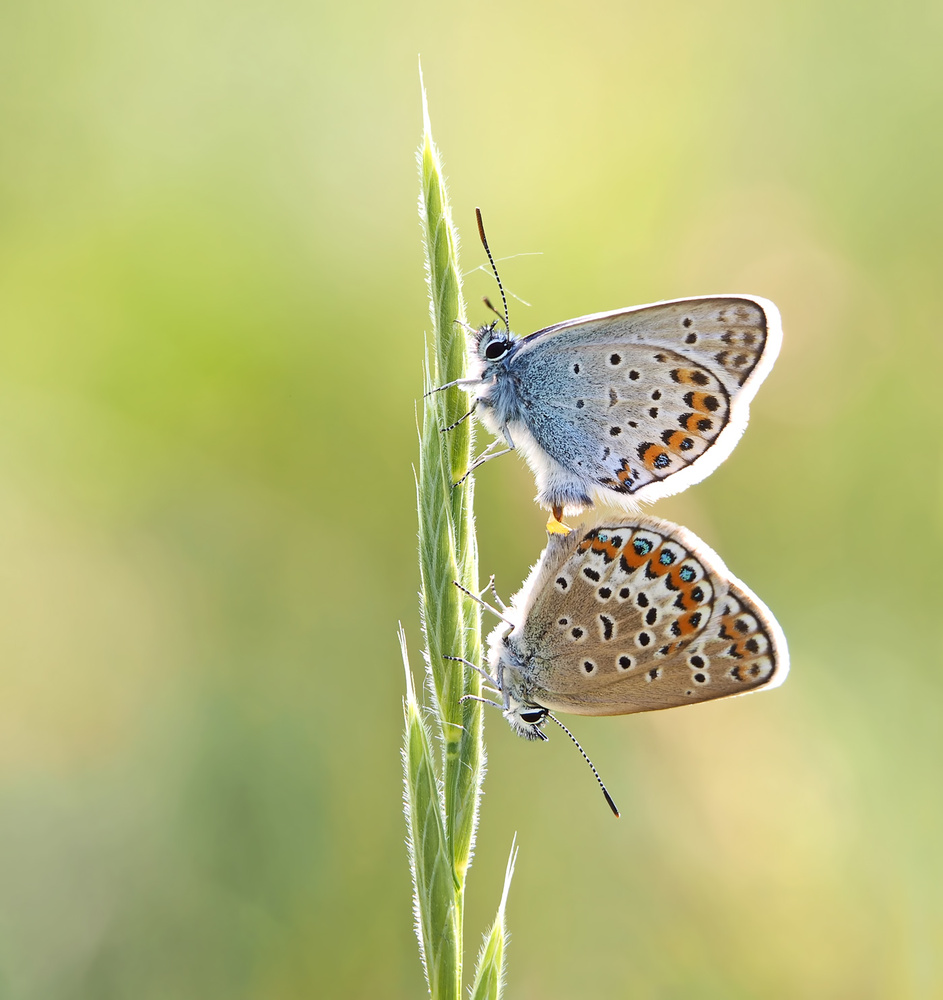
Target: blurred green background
x,y
212,312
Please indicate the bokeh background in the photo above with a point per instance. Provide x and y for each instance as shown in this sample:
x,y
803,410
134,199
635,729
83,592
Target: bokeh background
x,y
212,312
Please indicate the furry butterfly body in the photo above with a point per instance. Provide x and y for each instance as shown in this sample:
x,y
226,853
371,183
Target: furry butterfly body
x,y
633,616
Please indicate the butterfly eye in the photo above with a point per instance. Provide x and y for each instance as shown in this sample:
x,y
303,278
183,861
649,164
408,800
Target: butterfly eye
x,y
496,350
533,717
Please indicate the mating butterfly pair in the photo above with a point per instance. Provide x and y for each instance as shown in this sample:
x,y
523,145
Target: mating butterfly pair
x,y
620,407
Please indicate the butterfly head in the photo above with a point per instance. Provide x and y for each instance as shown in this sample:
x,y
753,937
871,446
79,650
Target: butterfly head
x,y
526,720
493,343
508,667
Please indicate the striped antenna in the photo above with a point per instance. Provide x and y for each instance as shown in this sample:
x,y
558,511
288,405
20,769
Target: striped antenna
x,y
497,277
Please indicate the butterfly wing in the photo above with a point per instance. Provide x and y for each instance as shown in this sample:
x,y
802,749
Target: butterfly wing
x,y
639,617
642,402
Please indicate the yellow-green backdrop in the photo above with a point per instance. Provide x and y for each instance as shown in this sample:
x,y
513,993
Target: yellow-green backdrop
x,y
212,315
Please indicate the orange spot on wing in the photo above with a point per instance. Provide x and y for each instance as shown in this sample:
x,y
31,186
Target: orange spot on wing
x,y
658,567
674,441
623,481
651,455
691,622
684,598
699,402
631,558
691,423
738,648
598,545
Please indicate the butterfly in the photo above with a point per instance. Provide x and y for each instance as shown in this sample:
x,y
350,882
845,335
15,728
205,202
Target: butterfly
x,y
622,406
634,616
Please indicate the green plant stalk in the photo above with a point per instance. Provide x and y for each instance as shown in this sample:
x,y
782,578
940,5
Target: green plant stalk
x,y
438,925
442,812
448,549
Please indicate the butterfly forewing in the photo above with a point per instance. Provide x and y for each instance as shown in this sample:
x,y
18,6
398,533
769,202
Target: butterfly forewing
x,y
726,334
639,617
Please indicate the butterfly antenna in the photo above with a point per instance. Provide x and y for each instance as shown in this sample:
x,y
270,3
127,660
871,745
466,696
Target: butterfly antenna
x,y
592,766
494,267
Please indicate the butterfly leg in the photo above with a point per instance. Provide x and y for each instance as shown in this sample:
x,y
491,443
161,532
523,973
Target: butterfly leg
x,y
494,590
485,456
484,604
484,701
462,383
464,417
475,667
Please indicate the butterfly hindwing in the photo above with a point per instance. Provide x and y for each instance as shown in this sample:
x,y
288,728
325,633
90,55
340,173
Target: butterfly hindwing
x,y
636,416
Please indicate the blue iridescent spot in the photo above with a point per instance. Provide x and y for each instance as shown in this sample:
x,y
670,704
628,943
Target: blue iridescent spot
x,y
686,573
602,537
642,547
667,557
